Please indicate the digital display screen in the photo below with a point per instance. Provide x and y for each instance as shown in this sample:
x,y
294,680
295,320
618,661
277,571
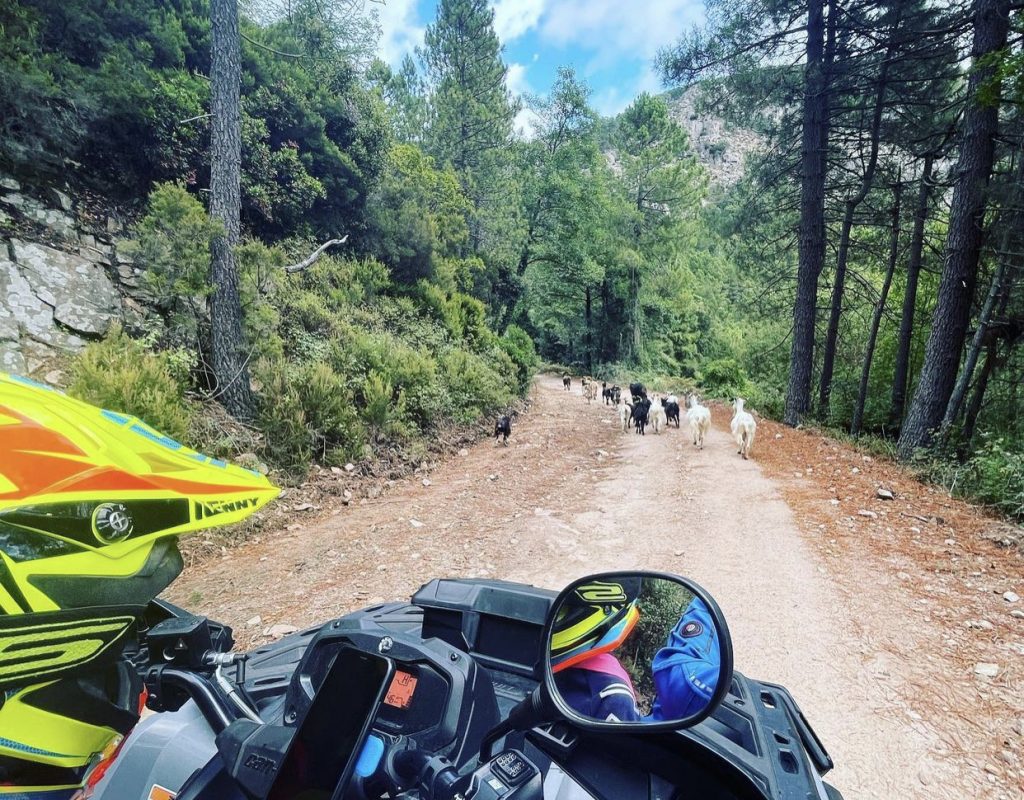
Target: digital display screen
x,y
399,694
322,753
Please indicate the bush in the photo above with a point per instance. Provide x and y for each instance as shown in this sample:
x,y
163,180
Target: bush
x,y
724,377
121,375
995,475
661,604
171,245
382,407
519,346
472,386
307,412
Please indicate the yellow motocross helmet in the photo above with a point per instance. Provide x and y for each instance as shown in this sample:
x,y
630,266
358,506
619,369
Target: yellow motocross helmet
x,y
91,505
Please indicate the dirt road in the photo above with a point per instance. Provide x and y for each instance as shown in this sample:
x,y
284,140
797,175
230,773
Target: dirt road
x,y
871,640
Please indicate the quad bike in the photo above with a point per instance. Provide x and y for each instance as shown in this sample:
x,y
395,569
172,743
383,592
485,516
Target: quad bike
x,y
470,691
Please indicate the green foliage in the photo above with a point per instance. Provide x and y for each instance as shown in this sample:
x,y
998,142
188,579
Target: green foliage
x,y
121,374
307,412
117,92
171,245
661,604
724,378
420,219
473,386
472,113
996,475
520,348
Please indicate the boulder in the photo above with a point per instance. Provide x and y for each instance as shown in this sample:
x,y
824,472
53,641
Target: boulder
x,y
79,292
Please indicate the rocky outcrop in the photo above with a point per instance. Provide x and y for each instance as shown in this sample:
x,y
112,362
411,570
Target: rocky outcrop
x,y
720,147
60,282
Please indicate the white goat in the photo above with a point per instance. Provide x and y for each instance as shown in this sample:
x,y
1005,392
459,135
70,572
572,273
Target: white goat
x,y
699,418
743,428
657,416
625,414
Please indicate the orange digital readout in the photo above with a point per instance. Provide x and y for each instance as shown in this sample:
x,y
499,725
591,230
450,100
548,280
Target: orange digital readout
x,y
403,685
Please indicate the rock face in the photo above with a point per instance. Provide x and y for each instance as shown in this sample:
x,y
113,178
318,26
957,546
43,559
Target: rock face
x,y
720,147
58,287
81,294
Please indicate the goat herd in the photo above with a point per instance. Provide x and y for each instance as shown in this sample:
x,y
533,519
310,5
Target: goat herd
x,y
636,410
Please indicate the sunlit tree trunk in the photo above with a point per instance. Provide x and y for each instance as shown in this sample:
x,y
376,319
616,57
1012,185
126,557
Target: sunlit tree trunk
x,y
227,349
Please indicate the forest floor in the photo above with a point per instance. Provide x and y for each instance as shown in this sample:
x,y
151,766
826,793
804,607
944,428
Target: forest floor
x,y
880,616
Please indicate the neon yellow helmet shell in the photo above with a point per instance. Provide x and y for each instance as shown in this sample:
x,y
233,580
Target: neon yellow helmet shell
x,y
91,505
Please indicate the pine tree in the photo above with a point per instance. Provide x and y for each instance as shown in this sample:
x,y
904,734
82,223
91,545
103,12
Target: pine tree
x,y
227,349
472,112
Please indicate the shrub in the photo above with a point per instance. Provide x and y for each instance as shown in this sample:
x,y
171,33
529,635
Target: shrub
x,y
306,412
121,375
995,476
171,245
382,407
724,377
473,387
519,346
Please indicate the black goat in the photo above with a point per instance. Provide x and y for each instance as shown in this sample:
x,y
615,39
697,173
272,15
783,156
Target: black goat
x,y
640,412
637,390
503,428
672,413
566,382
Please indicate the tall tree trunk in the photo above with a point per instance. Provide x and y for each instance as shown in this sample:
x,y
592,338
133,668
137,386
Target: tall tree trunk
x,y
902,369
876,320
811,248
988,367
602,347
590,331
227,344
963,240
839,285
956,399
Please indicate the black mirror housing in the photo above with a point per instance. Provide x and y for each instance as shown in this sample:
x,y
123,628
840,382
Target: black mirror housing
x,y
635,651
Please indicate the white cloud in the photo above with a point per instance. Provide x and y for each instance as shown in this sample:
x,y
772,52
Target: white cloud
x,y
401,30
525,124
614,99
615,28
515,79
513,18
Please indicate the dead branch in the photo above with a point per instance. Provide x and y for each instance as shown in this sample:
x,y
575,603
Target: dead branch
x,y
311,259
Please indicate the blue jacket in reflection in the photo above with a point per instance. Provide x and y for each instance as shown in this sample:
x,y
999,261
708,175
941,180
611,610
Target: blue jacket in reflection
x,y
686,668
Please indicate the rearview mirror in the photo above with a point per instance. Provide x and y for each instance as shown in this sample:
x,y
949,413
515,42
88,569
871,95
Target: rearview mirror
x,y
641,650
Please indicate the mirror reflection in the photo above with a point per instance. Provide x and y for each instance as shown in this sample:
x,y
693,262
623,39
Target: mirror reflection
x,y
631,648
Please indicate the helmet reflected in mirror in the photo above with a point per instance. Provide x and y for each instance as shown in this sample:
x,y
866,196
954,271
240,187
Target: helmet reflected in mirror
x,y
641,650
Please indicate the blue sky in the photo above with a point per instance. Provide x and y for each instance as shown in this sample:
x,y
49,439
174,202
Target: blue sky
x,y
611,43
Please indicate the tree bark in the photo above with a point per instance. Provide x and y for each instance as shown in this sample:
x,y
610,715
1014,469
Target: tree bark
x,y
963,240
227,347
876,320
902,369
956,399
811,245
988,367
590,331
839,285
